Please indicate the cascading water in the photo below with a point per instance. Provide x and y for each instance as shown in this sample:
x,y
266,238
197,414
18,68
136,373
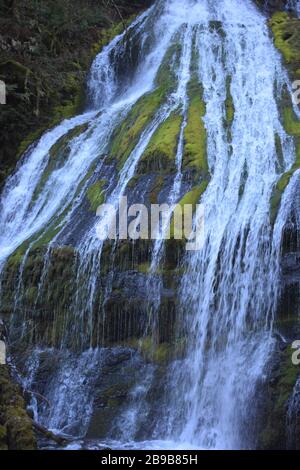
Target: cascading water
x,y
228,292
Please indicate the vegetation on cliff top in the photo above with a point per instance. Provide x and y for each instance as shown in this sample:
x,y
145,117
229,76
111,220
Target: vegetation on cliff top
x,y
46,49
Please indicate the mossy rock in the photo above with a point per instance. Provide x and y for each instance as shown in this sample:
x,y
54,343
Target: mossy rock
x,y
152,352
193,196
292,127
160,155
128,134
166,76
195,137
96,195
60,112
286,32
229,106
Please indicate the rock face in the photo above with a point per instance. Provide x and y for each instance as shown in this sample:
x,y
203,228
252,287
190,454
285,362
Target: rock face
x,y
16,431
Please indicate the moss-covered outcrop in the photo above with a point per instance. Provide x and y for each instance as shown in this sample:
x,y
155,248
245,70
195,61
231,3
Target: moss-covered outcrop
x,y
229,105
96,194
292,127
286,31
160,155
128,134
195,139
16,432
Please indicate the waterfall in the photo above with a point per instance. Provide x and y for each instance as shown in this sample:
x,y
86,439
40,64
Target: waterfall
x,y
227,291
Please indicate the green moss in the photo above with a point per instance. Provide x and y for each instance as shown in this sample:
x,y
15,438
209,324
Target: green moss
x,y
157,353
279,150
291,123
143,268
166,76
15,259
195,138
127,135
229,106
160,155
31,294
287,380
108,34
96,194
292,127
193,196
132,183
286,36
29,140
